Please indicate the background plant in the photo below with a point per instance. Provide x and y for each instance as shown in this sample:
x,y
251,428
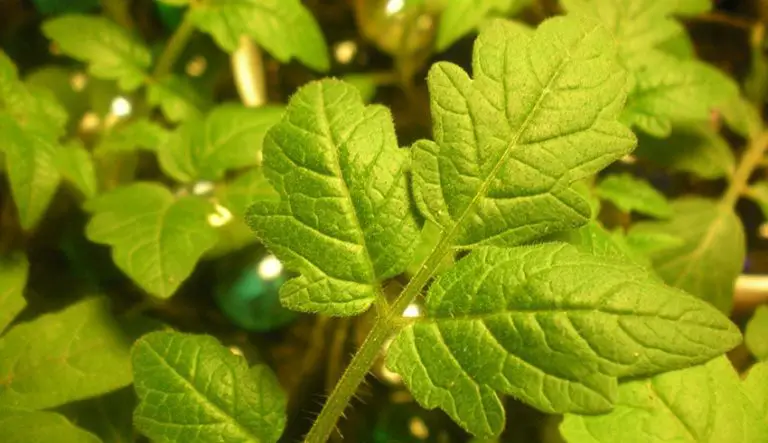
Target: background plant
x,y
544,250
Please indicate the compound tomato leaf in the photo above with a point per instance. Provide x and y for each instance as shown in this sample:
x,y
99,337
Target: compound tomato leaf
x,y
77,353
110,51
552,326
540,114
711,255
756,333
231,137
284,28
632,194
191,388
22,426
343,219
702,404
156,237
14,270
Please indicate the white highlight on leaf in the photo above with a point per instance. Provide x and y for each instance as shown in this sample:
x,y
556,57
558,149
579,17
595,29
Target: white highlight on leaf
x,y
394,6
412,311
270,267
121,107
202,188
220,217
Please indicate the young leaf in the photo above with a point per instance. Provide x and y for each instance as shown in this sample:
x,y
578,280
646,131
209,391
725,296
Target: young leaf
x,y
756,387
139,134
110,51
156,238
669,91
460,17
75,165
504,157
694,148
756,333
20,426
230,138
711,256
14,270
108,416
595,240
32,172
631,194
77,353
343,218
552,326
176,97
705,403
191,388
284,28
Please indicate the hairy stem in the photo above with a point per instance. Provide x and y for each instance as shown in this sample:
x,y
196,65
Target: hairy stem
x,y
175,46
749,162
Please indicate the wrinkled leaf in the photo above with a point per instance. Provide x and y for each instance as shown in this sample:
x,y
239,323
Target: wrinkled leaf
x,y
631,194
20,426
756,333
191,388
552,326
284,28
230,137
110,51
343,219
156,238
702,404
14,270
501,167
711,256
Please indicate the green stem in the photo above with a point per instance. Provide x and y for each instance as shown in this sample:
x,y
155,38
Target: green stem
x,y
173,49
750,161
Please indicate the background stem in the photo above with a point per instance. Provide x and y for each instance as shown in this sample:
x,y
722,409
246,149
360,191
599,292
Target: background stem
x,y
749,162
175,46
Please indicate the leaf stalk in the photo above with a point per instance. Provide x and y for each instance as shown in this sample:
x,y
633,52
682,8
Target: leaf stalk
x,y
175,46
750,161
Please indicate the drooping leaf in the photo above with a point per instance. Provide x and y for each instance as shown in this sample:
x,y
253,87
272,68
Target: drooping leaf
x,y
756,333
552,326
191,388
756,387
631,194
75,165
711,256
176,97
284,28
230,137
109,416
343,219
504,157
702,404
77,353
672,91
694,148
156,238
21,426
460,17
110,51
32,172
14,270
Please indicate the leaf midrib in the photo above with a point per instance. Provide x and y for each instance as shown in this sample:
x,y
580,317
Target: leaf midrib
x,y
203,399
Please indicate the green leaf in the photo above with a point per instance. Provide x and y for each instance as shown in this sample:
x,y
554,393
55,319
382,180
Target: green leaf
x,y
756,333
461,17
20,426
702,404
631,194
191,388
230,138
176,97
249,186
694,148
595,240
693,7
108,416
75,165
365,83
32,172
139,134
672,91
14,271
742,117
110,51
343,220
156,237
649,243
539,115
680,45
552,326
77,353
756,387
284,28
711,256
